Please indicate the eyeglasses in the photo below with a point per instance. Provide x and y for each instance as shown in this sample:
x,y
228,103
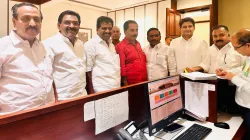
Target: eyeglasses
x,y
236,48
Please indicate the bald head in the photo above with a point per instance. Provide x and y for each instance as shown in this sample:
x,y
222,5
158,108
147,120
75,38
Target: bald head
x,y
243,36
241,41
116,33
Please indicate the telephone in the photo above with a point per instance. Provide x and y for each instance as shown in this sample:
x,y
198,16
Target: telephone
x,y
131,132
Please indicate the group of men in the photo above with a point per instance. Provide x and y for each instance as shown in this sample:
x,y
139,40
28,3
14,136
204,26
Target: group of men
x,y
29,67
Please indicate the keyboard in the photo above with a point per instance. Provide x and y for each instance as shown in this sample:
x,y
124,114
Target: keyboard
x,y
195,132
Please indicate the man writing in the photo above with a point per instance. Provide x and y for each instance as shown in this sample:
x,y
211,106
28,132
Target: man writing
x,y
26,68
69,58
241,76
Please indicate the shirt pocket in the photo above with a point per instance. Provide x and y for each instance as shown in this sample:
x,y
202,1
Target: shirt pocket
x,y
104,58
161,60
46,66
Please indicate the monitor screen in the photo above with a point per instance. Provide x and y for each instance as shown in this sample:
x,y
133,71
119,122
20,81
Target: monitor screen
x,y
164,103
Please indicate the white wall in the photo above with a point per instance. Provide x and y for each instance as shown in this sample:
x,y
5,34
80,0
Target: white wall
x,y
140,19
182,4
162,18
3,18
51,13
145,16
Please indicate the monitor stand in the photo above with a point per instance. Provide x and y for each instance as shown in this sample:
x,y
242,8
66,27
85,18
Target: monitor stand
x,y
187,117
173,127
163,134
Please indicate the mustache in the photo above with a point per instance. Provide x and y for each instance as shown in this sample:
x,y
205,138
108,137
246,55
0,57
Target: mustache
x,y
107,33
219,41
32,28
72,29
135,35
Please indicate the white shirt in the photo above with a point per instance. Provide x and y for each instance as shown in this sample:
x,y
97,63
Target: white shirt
x,y
225,58
69,66
104,63
160,61
26,75
242,81
189,53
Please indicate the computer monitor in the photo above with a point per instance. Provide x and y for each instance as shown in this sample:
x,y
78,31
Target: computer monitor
x,y
164,103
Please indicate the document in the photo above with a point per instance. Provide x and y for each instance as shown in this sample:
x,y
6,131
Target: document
x,y
111,111
199,76
89,111
196,98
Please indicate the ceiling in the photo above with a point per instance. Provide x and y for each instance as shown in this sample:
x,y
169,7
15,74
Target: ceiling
x,y
113,4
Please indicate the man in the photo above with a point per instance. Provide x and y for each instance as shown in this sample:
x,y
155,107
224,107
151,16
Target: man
x,y
168,40
160,59
132,58
221,53
241,76
103,65
69,58
26,69
189,50
116,34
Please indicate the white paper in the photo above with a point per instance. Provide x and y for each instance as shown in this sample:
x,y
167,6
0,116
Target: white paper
x,y
196,98
89,111
199,76
111,111
211,87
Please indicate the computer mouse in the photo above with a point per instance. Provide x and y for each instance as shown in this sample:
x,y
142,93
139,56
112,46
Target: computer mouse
x,y
222,125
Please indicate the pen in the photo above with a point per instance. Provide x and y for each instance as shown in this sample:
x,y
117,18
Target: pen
x,y
185,70
225,58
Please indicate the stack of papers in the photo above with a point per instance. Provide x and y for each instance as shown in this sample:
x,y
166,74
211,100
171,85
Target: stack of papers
x,y
199,76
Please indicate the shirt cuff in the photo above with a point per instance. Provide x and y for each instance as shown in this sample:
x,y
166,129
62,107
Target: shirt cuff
x,y
238,81
205,67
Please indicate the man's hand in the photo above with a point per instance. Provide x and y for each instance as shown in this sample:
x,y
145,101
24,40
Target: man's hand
x,y
124,80
228,76
193,69
220,72
224,74
189,70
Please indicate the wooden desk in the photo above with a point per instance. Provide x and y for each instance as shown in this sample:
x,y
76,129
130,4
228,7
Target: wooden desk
x,y
64,120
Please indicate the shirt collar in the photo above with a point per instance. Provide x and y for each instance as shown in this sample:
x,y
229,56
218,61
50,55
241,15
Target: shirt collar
x,y
65,39
157,46
126,41
190,39
16,39
228,45
99,39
